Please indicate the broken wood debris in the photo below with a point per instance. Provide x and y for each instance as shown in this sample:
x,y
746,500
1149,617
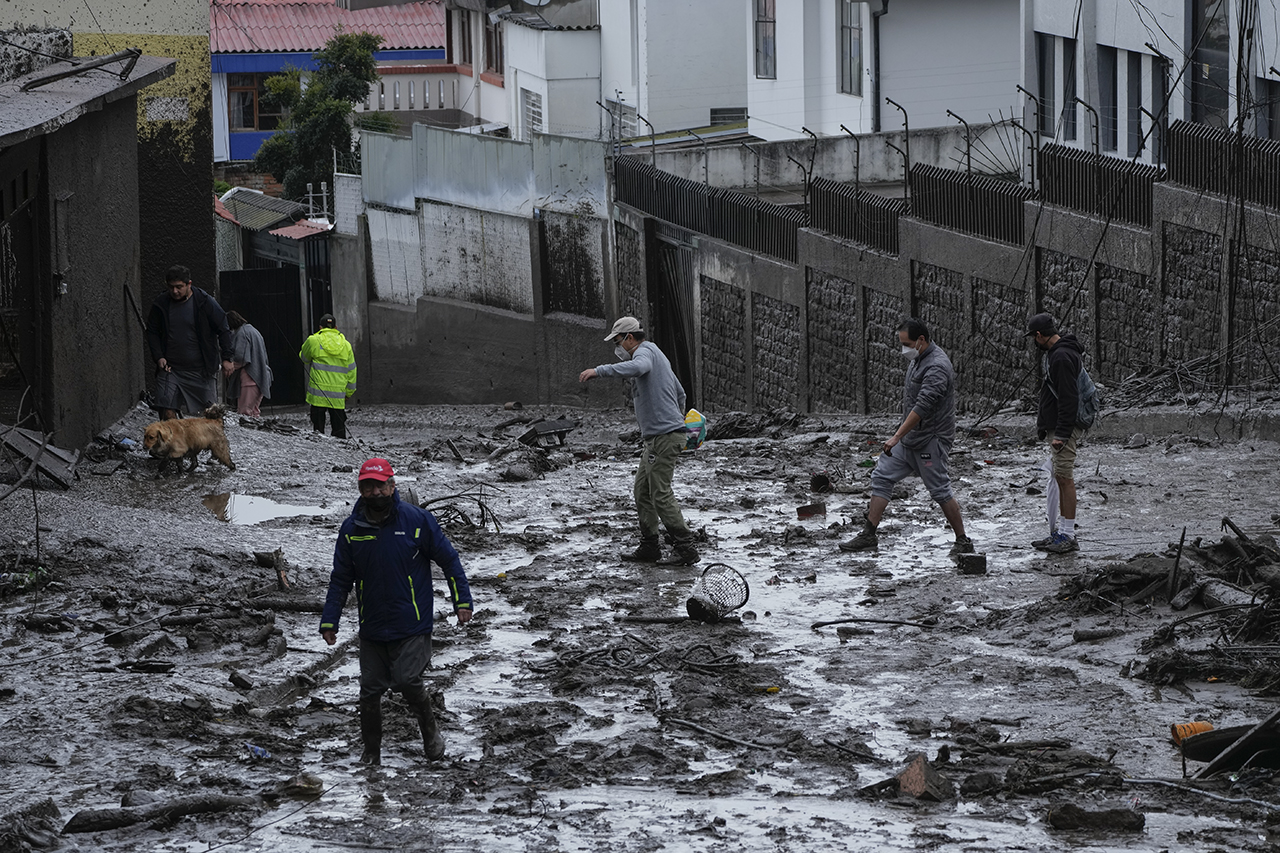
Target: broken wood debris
x,y
55,463
98,820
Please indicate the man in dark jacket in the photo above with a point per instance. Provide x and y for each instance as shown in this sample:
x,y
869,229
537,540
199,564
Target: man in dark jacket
x,y
385,550
187,336
923,439
1059,406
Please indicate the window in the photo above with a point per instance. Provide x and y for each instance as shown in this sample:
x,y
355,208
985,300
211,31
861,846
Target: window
x,y
1045,83
1069,106
1159,97
766,40
850,49
464,53
1210,70
493,58
395,95
1268,108
410,94
531,108
245,102
1108,97
728,115
1133,83
382,95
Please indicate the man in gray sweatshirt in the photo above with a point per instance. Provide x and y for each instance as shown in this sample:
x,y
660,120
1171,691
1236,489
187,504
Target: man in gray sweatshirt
x,y
659,402
922,441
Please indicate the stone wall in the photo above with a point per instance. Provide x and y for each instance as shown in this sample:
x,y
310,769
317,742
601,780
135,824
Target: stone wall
x,y
629,251
776,340
1192,306
724,342
1255,281
1128,324
836,341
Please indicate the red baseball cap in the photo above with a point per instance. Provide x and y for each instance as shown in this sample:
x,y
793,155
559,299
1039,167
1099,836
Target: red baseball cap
x,y
376,469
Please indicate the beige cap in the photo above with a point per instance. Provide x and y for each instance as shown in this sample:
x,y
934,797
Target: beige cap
x,y
624,326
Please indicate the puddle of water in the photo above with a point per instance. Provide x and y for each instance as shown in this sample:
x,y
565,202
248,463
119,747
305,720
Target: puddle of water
x,y
248,509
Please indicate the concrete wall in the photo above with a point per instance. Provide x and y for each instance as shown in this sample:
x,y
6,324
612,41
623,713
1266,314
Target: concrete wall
x,y
93,165
477,256
995,149
818,335
564,69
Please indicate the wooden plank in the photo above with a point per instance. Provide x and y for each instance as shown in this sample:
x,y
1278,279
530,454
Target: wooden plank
x,y
55,463
1228,757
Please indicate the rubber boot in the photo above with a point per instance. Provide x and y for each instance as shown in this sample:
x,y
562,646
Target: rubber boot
x,y
371,730
683,551
648,551
432,741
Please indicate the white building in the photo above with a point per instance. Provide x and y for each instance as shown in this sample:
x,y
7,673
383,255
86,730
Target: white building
x,y
820,64
676,63
1127,61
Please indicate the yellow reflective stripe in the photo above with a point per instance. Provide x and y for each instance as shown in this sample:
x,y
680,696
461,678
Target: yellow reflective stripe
x,y
414,596
417,531
453,591
360,538
333,368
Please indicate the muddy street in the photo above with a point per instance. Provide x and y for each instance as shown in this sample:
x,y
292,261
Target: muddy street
x,y
160,690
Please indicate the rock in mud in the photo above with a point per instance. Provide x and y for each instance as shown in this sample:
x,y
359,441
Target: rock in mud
x,y
1071,816
979,783
921,781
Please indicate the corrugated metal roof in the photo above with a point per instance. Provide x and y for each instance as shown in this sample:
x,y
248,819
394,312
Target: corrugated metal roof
x,y
291,26
258,211
301,230
534,21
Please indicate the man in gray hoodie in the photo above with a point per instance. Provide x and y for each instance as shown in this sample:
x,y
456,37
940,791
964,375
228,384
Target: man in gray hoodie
x,y
923,439
659,402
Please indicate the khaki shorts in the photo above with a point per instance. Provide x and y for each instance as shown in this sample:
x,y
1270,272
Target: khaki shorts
x,y
1064,460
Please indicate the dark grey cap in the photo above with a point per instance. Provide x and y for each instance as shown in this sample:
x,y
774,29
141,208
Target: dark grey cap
x,y
1042,323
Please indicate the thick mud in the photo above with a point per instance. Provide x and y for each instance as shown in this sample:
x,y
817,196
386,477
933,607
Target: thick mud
x,y
149,657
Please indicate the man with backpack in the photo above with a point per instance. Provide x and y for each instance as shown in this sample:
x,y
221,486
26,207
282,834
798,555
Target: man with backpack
x,y
1068,403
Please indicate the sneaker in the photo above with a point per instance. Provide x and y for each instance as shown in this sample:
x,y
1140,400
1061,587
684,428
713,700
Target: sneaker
x,y
963,545
864,541
1062,544
1041,544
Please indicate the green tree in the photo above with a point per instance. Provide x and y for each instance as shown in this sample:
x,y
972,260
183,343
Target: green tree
x,y
319,112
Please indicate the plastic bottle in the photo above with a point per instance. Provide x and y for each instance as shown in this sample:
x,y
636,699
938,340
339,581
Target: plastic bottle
x,y
256,751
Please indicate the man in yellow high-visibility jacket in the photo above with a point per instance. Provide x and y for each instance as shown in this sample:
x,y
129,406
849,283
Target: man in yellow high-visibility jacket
x,y
331,376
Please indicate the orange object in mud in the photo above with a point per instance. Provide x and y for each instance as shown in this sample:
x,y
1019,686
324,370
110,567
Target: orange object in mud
x,y
1182,731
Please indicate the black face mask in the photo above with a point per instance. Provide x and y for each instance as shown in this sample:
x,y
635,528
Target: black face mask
x,y
378,503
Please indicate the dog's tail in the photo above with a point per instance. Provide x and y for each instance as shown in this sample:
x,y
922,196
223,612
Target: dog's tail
x,y
215,412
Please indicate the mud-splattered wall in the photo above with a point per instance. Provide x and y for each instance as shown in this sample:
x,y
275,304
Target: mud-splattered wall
x,y
724,346
573,262
629,252
836,381
175,143
477,256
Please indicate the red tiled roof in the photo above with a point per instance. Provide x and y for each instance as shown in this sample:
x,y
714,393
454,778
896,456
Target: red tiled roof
x,y
300,230
221,210
291,26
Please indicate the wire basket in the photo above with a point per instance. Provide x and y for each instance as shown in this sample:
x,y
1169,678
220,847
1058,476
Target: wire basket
x,y
717,593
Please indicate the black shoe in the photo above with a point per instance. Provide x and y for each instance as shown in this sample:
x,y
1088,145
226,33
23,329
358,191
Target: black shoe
x,y
432,741
864,541
683,555
963,545
647,552
1041,544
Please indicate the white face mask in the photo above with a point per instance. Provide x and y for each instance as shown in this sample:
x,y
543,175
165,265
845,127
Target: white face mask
x,y
621,352
909,353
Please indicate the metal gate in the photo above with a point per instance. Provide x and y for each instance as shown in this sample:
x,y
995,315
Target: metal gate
x,y
671,312
271,300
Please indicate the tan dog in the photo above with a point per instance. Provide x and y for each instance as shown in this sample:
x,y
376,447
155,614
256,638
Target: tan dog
x,y
184,439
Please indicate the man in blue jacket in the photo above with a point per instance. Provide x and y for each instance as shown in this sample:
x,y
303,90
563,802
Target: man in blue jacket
x,y
922,441
385,550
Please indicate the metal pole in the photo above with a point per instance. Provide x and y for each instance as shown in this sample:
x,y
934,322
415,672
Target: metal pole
x,y
906,132
1096,124
968,143
1097,156
1034,148
813,152
903,154
706,157
130,56
653,139
1034,100
857,156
